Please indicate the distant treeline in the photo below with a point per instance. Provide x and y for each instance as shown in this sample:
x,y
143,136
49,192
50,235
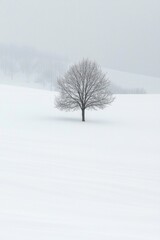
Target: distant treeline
x,y
32,66
119,90
29,67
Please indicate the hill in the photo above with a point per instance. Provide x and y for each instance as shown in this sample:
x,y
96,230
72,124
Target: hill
x,y
63,179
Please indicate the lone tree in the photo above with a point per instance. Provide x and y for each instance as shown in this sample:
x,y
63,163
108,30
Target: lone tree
x,y
84,86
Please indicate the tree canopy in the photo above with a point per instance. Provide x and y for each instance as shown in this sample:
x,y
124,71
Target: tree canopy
x,y
84,86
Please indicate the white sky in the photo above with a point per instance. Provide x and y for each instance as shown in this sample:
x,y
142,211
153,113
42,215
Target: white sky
x,y
119,34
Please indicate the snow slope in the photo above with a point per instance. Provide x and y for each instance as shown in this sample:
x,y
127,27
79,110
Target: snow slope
x,y
67,180
128,80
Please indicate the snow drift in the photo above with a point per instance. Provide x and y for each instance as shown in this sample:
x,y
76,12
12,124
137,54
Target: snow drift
x,y
63,179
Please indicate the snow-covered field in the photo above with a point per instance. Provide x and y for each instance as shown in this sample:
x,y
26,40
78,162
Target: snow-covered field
x,y
61,179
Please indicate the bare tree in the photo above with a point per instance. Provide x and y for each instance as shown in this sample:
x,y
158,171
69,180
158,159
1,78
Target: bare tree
x,y
84,86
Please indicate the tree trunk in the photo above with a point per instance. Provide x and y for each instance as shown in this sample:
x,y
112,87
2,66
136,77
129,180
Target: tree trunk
x,y
83,115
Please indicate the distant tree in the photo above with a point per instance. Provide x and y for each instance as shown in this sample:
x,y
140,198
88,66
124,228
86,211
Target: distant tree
x,y
137,91
84,86
120,90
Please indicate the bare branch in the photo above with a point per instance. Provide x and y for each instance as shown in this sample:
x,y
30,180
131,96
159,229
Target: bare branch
x,y
84,86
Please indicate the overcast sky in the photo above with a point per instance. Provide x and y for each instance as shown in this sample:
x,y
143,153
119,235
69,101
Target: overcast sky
x,y
118,34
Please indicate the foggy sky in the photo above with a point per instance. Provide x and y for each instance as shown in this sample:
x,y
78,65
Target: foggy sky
x,y
119,34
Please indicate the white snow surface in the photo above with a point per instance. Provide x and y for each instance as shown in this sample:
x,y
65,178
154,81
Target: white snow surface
x,y
62,179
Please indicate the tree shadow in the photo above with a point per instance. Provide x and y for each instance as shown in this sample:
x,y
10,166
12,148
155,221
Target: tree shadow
x,y
101,121
62,119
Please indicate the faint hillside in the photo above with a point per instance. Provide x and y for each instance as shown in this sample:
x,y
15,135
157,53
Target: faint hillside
x,y
133,83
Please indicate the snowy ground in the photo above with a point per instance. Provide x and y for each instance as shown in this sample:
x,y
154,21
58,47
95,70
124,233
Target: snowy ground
x,y
61,179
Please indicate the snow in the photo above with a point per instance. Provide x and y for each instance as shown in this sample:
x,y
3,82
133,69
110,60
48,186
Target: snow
x,y
128,80
67,180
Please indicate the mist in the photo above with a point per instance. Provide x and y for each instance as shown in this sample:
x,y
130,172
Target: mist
x,y
122,35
